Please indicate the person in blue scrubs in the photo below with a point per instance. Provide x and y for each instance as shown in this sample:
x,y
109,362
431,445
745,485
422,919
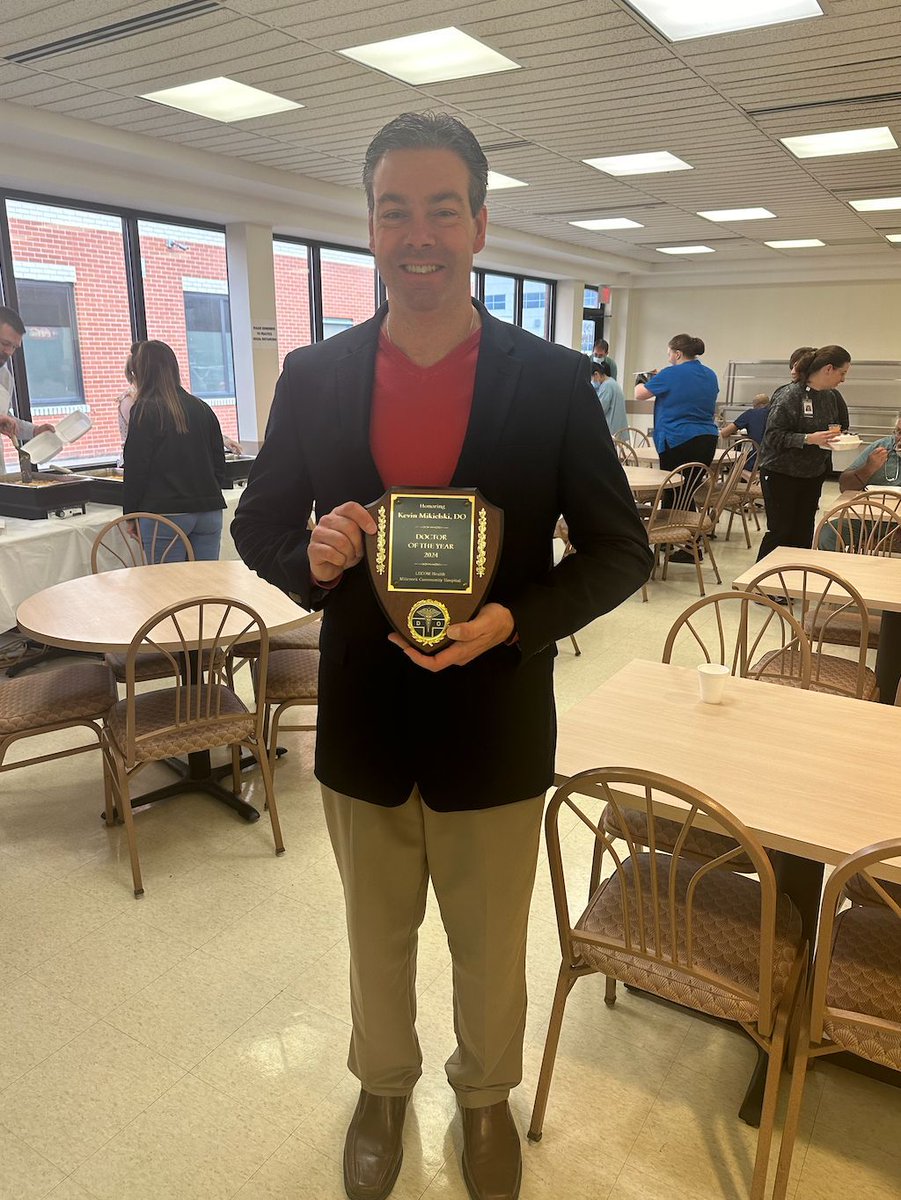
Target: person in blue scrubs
x,y
613,402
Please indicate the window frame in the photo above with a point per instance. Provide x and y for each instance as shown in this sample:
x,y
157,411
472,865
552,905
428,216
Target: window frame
x,y
519,282
70,402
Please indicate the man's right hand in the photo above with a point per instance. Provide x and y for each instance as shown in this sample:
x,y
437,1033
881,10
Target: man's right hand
x,y
9,425
877,459
336,543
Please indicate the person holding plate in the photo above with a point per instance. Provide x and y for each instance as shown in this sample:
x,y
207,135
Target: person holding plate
x,y
805,420
435,766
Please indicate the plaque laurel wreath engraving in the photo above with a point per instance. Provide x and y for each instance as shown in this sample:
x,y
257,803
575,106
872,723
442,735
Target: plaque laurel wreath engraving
x,y
432,559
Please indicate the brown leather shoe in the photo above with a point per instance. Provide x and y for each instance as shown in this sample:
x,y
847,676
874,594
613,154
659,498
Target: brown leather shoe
x,y
373,1148
492,1159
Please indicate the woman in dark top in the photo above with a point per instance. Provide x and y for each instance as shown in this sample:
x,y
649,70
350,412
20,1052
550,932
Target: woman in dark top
x,y
805,419
174,463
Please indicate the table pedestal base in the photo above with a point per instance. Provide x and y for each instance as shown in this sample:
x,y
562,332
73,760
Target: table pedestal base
x,y
197,775
888,657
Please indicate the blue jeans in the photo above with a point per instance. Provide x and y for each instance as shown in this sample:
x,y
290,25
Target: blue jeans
x,y
204,532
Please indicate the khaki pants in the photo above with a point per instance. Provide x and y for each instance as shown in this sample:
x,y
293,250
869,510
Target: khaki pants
x,y
482,866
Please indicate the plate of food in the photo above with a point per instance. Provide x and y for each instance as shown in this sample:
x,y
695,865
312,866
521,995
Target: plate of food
x,y
846,441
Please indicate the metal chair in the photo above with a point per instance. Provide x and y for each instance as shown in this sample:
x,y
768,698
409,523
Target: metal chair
x,y
854,1002
637,437
562,532
679,517
745,495
198,713
114,544
291,681
862,525
625,453
712,940
79,694
823,601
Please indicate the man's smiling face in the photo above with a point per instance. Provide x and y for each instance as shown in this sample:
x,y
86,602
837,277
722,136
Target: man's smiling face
x,y
422,231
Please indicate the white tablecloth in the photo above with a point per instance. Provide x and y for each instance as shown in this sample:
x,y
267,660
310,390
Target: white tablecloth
x,y
36,554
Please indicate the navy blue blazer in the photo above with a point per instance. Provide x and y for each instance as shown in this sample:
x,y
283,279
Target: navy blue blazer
x,y
537,446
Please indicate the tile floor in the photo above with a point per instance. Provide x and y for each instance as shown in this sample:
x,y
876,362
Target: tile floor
x,y
191,1045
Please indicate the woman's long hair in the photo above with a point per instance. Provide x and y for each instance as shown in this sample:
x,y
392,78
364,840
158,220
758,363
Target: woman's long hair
x,y
157,381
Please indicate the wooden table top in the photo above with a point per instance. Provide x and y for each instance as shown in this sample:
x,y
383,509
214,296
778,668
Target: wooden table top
x,y
103,612
813,774
645,478
649,455
877,579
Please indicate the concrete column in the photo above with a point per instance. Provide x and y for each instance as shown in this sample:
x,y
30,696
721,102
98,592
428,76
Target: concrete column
x,y
568,323
251,285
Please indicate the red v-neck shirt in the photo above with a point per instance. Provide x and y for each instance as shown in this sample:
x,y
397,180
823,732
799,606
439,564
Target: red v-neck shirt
x,y
420,414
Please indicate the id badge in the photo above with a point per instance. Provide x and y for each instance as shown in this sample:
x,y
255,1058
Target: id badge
x,y
808,408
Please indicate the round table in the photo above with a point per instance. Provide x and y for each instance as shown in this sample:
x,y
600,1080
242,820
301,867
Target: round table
x,y
102,613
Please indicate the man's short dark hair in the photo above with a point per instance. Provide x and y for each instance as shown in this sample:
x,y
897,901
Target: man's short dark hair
x,y
429,131
601,344
9,316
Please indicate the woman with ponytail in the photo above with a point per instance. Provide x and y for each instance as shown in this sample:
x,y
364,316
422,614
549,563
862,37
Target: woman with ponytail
x,y
805,419
174,463
684,395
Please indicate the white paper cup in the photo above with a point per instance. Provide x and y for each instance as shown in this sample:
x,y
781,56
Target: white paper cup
x,y
712,682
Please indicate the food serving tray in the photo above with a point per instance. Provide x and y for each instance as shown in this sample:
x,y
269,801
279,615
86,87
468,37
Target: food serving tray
x,y
47,493
105,485
237,468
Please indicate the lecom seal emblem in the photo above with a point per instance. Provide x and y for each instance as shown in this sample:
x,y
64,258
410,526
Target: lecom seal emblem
x,y
427,621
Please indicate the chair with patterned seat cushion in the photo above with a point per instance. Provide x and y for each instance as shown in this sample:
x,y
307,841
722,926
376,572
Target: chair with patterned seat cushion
x,y
78,694
679,518
719,942
301,637
115,548
854,1003
199,713
291,681
819,598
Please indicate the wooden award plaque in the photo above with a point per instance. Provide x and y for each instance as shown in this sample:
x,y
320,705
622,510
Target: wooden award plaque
x,y
432,559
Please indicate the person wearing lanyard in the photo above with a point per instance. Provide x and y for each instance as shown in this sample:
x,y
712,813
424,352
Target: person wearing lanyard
x,y
804,421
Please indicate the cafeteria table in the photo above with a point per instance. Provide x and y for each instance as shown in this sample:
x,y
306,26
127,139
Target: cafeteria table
x,y
648,457
813,775
878,579
102,613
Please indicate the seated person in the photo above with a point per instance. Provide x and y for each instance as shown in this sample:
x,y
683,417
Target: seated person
x,y
877,465
752,422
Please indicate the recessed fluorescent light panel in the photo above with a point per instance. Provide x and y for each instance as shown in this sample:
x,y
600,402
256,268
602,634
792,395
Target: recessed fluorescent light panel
x,y
222,99
795,244
885,204
893,237
496,181
848,141
682,19
432,57
685,250
639,164
727,215
608,223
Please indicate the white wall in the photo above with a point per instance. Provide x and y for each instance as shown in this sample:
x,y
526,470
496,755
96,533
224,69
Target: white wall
x,y
758,322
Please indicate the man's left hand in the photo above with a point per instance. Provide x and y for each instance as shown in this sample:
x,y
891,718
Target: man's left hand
x,y
8,425
47,428
493,625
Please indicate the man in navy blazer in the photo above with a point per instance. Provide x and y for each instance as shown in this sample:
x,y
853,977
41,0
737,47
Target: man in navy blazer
x,y
435,767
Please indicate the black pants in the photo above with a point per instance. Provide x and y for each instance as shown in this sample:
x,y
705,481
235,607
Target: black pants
x,y
696,449
791,510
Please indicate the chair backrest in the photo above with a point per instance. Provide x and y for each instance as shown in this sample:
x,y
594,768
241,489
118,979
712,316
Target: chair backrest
x,y
114,541
734,471
625,453
660,894
822,601
858,863
684,493
196,637
863,525
630,434
753,636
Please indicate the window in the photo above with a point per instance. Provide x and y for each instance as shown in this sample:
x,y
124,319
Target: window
x,y
536,306
51,345
71,288
333,325
291,263
185,280
348,288
500,297
208,330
